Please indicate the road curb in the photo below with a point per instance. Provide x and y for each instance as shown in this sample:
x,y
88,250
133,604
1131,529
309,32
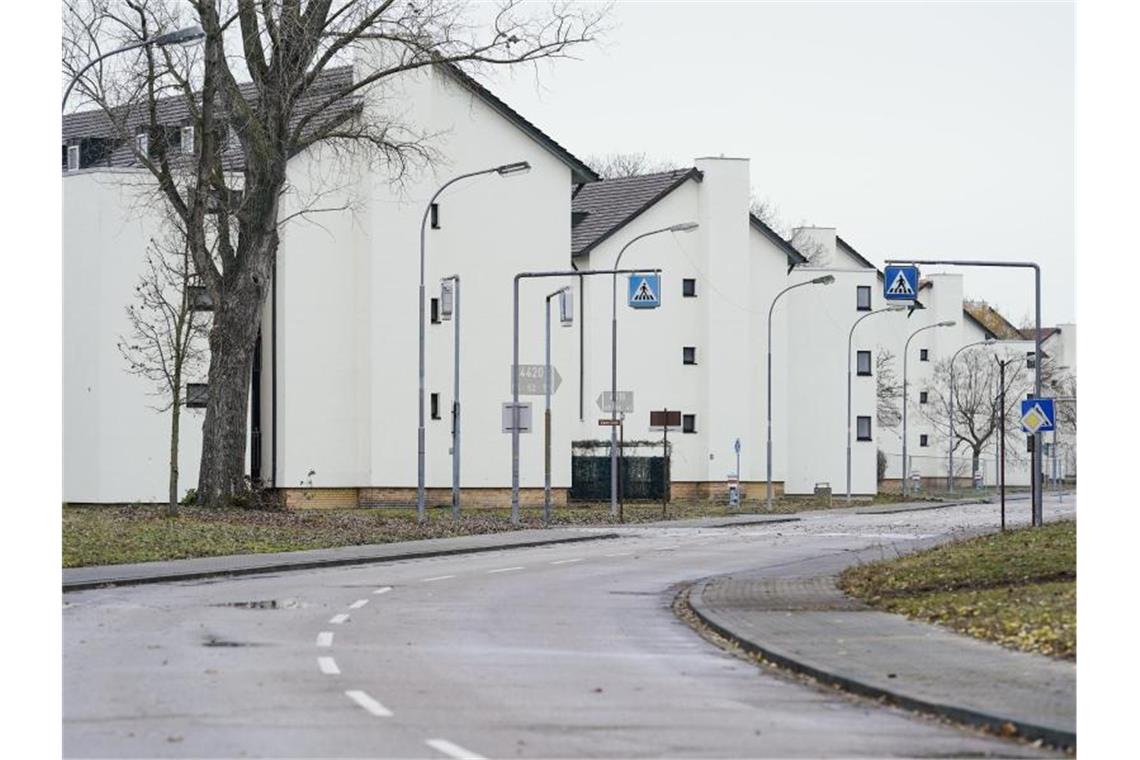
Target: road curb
x,y
965,715
924,508
302,564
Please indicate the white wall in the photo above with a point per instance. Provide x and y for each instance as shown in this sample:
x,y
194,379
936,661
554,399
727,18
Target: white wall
x,y
115,445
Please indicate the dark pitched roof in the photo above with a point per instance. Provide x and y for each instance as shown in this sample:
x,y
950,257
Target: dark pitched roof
x,y
794,256
966,313
581,172
173,112
603,208
1046,332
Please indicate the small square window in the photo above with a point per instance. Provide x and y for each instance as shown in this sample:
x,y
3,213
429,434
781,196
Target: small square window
x,y
188,139
863,363
196,395
923,397
689,287
72,158
435,216
688,423
863,297
863,428
1029,359
923,355
198,296
435,311
689,354
142,143
435,406
924,440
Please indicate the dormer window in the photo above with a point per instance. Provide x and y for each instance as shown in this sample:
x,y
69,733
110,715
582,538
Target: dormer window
x,y
188,139
72,158
142,143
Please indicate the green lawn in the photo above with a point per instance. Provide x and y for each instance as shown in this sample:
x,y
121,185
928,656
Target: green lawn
x,y
1016,588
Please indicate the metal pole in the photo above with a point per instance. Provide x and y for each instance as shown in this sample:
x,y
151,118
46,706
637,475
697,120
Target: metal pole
x,y
455,411
515,364
665,467
547,389
1001,364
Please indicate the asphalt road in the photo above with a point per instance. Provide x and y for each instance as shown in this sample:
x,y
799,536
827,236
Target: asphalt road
x,y
562,651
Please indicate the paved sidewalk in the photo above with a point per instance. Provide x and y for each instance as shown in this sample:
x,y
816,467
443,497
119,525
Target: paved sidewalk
x,y
810,626
79,578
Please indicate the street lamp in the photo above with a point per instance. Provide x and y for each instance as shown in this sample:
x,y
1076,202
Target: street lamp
x,y
682,227
518,167
448,305
826,279
906,348
566,315
953,443
178,37
850,337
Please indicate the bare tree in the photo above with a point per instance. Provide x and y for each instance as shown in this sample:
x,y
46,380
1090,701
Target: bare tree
x,y
888,390
226,194
168,335
977,401
617,165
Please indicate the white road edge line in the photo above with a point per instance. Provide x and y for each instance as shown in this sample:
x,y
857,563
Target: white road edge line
x,y
368,703
324,639
437,578
338,619
382,590
506,569
622,554
358,604
565,561
328,666
453,750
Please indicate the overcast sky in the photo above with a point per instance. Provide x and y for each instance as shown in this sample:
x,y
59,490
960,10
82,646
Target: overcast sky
x,y
923,130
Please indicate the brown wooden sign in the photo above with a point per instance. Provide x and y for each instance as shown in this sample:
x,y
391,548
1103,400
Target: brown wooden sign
x,y
665,418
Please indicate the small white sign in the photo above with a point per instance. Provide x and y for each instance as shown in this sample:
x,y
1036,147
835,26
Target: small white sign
x,y
522,413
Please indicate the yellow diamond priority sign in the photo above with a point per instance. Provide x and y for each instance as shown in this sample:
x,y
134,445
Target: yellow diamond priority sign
x,y
1037,415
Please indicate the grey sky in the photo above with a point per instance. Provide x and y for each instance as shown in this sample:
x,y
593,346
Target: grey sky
x,y
916,129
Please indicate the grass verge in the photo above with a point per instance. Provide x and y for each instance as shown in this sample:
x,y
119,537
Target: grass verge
x,y
1016,588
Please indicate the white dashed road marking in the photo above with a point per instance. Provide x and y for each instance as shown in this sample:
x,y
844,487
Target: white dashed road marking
x,y
358,604
453,750
328,666
369,704
565,561
438,578
506,569
324,639
338,619
382,590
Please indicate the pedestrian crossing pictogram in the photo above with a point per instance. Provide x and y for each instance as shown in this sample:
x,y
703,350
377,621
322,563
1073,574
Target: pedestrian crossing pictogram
x,y
645,291
900,287
900,283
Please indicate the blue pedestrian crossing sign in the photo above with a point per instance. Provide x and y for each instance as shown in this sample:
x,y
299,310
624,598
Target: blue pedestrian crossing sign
x,y
900,283
1037,415
644,291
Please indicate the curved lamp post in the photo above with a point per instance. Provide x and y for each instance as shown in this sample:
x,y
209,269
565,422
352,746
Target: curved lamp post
x,y
953,390
906,348
850,337
518,167
179,37
682,227
826,279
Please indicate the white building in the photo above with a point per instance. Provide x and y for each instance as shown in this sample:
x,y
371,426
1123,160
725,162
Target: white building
x,y
333,398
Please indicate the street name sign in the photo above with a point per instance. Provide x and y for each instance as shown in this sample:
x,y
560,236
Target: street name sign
x,y
624,402
900,283
644,291
532,379
1037,415
524,416
609,422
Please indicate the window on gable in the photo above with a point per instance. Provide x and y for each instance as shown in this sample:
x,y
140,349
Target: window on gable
x,y
924,355
435,311
863,363
197,394
863,428
863,297
435,406
142,143
689,355
688,423
71,157
187,139
924,440
689,287
435,216
923,397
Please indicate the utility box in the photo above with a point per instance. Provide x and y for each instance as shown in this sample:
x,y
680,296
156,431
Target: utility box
x,y
734,497
823,493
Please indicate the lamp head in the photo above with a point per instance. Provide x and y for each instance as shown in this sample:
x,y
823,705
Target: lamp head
x,y
180,36
518,167
947,323
898,307
827,279
684,227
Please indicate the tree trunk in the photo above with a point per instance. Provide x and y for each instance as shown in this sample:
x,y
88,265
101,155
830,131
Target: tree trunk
x,y
233,339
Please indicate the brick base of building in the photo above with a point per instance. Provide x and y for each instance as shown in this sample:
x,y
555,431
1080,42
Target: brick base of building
x,y
405,498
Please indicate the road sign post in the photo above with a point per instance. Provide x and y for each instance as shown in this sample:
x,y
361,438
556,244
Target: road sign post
x,y
665,419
